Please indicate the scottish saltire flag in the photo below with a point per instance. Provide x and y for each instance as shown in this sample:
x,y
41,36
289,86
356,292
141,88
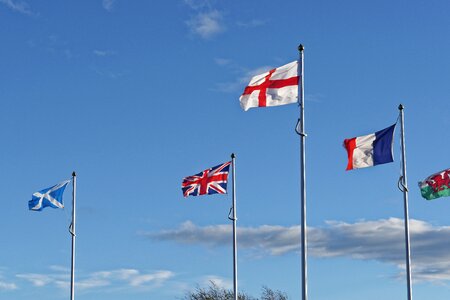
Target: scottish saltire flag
x,y
436,185
52,196
276,87
210,181
370,150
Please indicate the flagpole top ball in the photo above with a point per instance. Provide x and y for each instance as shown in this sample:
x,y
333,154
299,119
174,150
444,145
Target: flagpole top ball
x,y
74,174
301,48
401,107
233,155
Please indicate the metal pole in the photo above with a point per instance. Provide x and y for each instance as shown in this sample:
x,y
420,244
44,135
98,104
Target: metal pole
x,y
303,175
72,232
404,184
235,283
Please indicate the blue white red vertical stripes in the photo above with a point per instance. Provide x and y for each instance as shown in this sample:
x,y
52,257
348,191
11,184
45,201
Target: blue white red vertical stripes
x,y
370,150
210,181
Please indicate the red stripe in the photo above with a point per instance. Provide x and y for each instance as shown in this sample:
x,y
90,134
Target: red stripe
x,y
271,84
204,183
350,145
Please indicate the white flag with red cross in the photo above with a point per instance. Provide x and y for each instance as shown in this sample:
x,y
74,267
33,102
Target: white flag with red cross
x,y
276,87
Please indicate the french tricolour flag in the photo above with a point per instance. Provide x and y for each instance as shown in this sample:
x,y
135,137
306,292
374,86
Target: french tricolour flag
x,y
370,150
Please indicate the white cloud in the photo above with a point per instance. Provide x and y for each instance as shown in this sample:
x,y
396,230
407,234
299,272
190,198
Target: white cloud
x,y
251,23
380,240
108,4
6,286
155,278
18,6
223,61
198,4
130,278
241,81
206,24
103,52
36,279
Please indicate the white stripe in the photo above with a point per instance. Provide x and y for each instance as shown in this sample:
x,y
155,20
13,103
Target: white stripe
x,y
363,153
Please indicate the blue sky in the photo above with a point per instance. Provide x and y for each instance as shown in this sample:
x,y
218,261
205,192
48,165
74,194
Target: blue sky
x,y
136,95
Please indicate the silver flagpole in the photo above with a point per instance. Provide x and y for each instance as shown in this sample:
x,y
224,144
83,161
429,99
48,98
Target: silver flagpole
x,y
72,232
235,283
404,187
303,175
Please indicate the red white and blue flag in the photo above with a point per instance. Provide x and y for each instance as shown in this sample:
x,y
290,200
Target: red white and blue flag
x,y
370,150
210,181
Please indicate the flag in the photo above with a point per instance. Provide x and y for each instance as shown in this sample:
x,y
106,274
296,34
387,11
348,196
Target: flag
x,y
370,150
436,185
210,181
276,87
52,196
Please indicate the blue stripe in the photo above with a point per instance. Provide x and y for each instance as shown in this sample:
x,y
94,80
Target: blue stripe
x,y
382,146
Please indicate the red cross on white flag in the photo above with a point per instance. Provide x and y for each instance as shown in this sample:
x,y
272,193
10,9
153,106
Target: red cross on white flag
x,y
276,87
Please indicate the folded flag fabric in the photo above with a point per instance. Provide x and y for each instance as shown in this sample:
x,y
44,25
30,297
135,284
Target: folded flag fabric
x,y
276,87
52,196
210,181
436,185
370,150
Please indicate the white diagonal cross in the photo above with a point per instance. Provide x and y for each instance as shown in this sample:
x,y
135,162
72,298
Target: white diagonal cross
x,y
47,196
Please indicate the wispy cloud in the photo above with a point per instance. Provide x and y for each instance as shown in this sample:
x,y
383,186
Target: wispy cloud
x,y
207,21
131,278
108,4
7,286
242,78
38,279
108,73
251,24
380,240
18,6
198,4
207,24
104,53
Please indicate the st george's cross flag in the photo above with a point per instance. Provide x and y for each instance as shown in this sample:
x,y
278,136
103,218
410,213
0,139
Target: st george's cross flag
x,y
52,196
436,185
210,181
370,150
276,87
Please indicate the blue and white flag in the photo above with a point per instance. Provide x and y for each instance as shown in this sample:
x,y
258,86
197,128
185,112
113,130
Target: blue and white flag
x,y
52,196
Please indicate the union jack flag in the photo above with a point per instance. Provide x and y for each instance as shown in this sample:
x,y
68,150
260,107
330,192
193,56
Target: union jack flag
x,y
210,181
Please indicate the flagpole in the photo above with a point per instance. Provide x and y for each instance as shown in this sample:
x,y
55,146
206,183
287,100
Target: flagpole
x,y
72,232
303,176
235,283
403,181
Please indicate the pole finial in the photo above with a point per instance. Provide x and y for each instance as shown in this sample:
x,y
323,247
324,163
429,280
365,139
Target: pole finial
x,y
233,155
401,107
301,48
74,174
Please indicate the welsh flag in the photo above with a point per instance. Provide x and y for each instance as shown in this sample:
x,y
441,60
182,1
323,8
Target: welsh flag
x,y
436,185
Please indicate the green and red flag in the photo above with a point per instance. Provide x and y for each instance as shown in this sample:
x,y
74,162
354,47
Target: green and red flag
x,y
436,185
